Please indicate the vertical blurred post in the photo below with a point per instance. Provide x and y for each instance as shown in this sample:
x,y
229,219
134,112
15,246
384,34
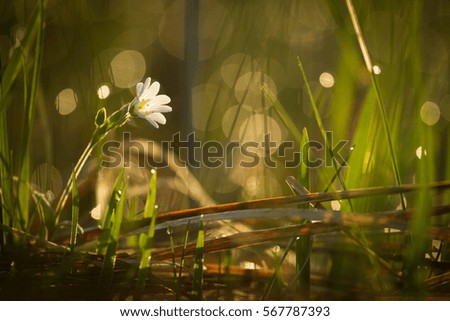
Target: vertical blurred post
x,y
191,64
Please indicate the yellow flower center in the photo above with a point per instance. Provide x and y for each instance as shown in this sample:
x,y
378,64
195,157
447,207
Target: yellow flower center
x,y
142,104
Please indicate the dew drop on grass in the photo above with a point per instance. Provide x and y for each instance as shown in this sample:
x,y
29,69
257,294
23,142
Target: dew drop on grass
x,y
96,212
336,205
420,151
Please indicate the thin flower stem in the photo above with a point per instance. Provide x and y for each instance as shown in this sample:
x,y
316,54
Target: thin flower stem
x,y
76,171
116,120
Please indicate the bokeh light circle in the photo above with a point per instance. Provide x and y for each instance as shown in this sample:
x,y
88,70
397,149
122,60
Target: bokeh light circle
x,y
326,80
66,101
430,113
103,91
128,68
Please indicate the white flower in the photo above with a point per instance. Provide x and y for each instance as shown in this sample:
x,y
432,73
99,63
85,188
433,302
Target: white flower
x,y
149,105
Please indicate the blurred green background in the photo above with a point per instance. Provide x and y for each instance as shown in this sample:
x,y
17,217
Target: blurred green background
x,y
213,65
213,59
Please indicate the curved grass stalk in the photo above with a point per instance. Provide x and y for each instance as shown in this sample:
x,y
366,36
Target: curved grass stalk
x,y
149,212
278,268
103,127
322,129
381,106
198,262
29,112
109,260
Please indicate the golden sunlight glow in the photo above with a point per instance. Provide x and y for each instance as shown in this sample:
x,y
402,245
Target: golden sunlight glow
x,y
234,66
232,120
209,103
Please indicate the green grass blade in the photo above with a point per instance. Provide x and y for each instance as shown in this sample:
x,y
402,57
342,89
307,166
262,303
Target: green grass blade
x,y
183,252
75,212
14,66
322,127
419,244
276,272
33,35
172,248
303,174
9,215
198,263
381,105
46,215
107,220
114,121
287,120
133,240
110,255
30,107
149,212
302,244
387,131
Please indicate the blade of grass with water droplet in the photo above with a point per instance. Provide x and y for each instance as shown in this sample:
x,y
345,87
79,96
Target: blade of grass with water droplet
x,y
103,239
375,85
418,243
172,248
321,126
109,259
276,271
303,243
183,251
197,285
149,212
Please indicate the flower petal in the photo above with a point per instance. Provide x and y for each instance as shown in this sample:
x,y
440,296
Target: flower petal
x,y
160,100
139,89
152,91
149,105
148,80
155,109
151,121
157,117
